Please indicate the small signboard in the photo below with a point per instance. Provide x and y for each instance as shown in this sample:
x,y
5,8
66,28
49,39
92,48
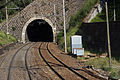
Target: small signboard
x,y
79,51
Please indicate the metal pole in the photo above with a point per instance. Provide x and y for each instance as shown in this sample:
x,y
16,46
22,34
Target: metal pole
x,y
114,12
64,26
7,18
0,17
55,23
108,35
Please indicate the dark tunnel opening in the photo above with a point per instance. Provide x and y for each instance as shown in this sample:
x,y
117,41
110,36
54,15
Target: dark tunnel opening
x,y
39,31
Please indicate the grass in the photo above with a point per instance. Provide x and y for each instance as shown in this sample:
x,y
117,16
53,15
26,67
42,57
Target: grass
x,y
6,39
103,63
101,17
70,33
75,23
75,29
98,18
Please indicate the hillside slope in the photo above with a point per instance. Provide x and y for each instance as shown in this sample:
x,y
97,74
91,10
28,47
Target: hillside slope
x,y
112,4
12,4
75,23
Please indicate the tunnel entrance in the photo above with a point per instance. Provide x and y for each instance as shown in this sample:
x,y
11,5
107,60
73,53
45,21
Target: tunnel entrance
x,y
39,31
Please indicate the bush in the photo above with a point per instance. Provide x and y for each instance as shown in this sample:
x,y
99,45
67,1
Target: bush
x,y
115,75
76,21
6,39
82,13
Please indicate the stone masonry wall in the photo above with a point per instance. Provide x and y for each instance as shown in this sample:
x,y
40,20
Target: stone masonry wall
x,y
42,8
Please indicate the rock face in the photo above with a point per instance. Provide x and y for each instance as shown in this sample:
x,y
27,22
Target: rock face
x,y
42,9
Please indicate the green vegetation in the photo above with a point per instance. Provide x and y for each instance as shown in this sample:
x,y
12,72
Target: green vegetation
x,y
75,29
6,39
101,17
102,63
12,4
75,23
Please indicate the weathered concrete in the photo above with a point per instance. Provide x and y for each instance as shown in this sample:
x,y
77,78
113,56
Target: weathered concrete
x,y
41,9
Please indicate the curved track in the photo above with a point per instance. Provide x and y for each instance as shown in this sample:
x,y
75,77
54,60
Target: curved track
x,y
2,60
44,49
11,62
42,61
66,65
26,64
49,64
77,71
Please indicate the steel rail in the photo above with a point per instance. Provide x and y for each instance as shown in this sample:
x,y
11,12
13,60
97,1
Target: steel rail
x,y
1,62
65,65
26,66
11,62
49,64
73,70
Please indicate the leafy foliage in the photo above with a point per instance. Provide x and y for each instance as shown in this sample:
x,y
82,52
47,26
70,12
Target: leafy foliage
x,y
12,4
6,39
111,6
75,22
82,13
99,18
102,63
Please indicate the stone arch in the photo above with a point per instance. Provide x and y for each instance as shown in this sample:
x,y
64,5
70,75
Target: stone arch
x,y
32,19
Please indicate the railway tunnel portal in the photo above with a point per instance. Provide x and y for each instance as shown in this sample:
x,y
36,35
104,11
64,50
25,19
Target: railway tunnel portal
x,y
39,29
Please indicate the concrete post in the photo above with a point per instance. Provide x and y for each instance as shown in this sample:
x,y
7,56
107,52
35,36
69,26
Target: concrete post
x,y
64,26
108,35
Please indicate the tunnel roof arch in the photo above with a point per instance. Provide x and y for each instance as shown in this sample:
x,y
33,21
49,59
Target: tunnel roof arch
x,y
29,21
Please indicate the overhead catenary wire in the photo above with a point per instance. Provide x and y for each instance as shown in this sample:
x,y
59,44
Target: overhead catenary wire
x,y
5,4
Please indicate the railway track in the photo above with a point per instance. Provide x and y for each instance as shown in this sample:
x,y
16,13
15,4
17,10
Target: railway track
x,y
26,64
13,58
91,72
16,65
69,68
49,64
40,61
2,60
3,56
76,75
38,68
